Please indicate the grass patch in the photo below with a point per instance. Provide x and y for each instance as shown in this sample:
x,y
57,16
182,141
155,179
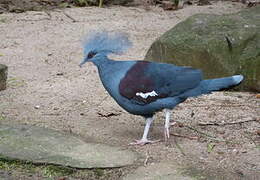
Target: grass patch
x,y
49,171
13,82
56,171
6,164
3,20
81,3
99,172
2,117
52,172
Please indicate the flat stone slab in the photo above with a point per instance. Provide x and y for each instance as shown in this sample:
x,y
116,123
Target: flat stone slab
x,y
41,145
162,171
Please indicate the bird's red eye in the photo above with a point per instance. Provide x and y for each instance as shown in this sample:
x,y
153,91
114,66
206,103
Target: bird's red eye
x,y
91,54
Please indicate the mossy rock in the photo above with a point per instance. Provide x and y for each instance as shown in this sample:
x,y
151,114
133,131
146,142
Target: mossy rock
x,y
96,2
220,45
45,146
3,76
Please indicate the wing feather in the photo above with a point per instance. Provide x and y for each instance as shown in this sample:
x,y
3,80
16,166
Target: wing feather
x,y
145,82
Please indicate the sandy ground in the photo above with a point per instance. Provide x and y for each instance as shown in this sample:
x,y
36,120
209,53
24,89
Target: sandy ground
x,y
47,88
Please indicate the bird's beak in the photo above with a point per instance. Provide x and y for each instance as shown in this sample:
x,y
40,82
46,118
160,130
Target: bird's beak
x,y
83,61
81,64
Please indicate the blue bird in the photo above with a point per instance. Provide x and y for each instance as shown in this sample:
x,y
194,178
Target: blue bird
x,y
142,87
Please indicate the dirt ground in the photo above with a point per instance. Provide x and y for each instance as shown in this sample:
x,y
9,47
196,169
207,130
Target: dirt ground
x,y
47,88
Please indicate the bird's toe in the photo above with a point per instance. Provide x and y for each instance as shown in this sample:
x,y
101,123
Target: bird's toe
x,y
173,123
142,142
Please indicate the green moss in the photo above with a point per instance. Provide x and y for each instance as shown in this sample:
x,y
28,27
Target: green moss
x,y
2,117
56,171
53,171
3,20
82,3
30,168
99,172
64,5
8,164
15,82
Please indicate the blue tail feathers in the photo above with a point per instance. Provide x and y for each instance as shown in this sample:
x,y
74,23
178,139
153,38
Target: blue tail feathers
x,y
238,79
221,83
209,85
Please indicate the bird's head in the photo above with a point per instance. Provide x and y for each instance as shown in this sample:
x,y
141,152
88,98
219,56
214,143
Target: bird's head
x,y
101,44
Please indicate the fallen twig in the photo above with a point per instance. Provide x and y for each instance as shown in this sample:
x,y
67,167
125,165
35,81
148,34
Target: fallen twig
x,y
198,131
229,43
51,114
147,158
49,14
249,136
183,136
179,147
227,123
108,115
222,105
97,105
208,136
67,15
28,20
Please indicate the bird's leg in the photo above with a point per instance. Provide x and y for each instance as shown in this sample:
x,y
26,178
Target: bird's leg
x,y
167,124
144,139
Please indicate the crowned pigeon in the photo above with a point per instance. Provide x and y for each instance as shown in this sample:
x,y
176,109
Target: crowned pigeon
x,y
142,87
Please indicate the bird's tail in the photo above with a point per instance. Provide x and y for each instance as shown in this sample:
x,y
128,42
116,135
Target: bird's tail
x,y
209,85
221,83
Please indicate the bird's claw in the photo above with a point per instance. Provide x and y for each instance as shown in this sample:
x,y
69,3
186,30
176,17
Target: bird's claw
x,y
142,142
173,123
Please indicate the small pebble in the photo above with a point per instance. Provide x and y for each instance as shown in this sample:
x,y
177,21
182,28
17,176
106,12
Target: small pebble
x,y
37,107
258,132
59,74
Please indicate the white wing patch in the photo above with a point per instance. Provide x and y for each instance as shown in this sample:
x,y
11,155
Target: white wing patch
x,y
146,95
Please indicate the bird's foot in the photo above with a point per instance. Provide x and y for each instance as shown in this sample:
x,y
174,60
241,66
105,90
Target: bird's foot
x,y
167,131
143,142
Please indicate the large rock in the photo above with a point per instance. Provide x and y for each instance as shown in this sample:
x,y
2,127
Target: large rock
x,y
41,145
3,76
220,45
96,2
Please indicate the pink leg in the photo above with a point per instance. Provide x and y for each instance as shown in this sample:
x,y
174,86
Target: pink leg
x,y
144,139
167,125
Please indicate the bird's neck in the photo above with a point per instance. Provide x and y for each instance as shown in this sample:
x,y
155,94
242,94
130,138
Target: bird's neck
x,y
102,62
